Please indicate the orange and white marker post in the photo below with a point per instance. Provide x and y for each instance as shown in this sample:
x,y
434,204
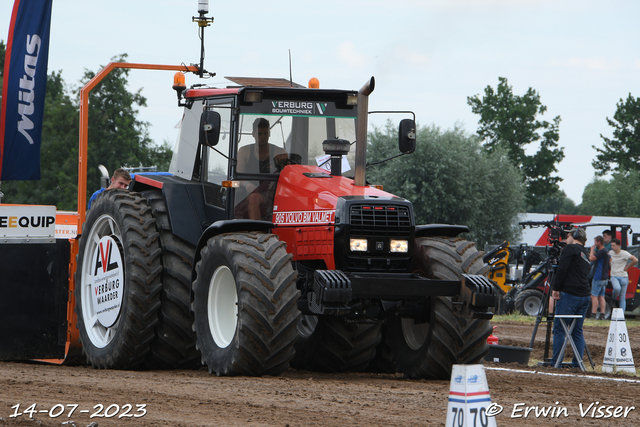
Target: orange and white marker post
x,y
617,355
469,397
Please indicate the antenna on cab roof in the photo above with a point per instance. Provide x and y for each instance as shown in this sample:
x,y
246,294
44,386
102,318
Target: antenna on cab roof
x,y
290,72
203,22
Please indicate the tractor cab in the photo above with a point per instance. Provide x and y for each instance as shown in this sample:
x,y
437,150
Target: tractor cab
x,y
238,140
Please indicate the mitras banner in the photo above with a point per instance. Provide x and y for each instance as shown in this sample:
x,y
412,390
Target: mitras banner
x,y
24,84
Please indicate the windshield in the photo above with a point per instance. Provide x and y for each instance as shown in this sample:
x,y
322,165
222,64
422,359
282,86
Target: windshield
x,y
299,137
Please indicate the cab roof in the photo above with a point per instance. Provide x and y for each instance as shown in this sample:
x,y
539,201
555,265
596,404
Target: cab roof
x,y
243,82
272,86
264,82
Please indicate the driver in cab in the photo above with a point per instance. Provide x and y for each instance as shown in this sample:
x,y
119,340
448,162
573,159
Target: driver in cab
x,y
261,157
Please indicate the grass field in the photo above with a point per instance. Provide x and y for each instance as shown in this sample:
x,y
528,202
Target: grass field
x,y
520,318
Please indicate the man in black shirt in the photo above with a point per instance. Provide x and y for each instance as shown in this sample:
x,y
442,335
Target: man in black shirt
x,y
571,291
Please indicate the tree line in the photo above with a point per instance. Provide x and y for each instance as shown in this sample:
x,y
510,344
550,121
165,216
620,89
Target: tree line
x,y
485,180
508,120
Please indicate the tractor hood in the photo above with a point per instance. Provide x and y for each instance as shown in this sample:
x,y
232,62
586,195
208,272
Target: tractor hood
x,y
308,195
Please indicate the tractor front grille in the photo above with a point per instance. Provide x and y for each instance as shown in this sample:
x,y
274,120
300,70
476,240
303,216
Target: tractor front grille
x,y
380,221
379,224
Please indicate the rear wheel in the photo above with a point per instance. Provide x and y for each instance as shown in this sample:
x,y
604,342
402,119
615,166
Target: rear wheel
x,y
245,305
528,302
175,343
430,346
335,344
118,281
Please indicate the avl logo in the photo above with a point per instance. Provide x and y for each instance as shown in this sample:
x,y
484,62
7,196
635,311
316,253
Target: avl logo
x,y
104,258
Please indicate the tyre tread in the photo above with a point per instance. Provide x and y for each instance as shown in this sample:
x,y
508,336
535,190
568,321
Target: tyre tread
x,y
451,339
174,344
133,339
338,346
267,304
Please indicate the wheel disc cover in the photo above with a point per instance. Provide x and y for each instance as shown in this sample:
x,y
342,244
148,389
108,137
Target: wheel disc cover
x,y
222,306
307,325
415,335
532,305
101,299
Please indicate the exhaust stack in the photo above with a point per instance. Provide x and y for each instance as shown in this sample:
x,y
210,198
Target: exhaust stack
x,y
361,131
336,148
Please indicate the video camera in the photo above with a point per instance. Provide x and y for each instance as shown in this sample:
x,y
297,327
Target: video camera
x,y
557,233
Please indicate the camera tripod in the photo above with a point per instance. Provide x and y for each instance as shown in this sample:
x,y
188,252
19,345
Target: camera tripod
x,y
543,311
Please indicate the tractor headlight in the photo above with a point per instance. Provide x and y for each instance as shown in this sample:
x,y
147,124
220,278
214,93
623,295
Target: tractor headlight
x,y
399,246
358,245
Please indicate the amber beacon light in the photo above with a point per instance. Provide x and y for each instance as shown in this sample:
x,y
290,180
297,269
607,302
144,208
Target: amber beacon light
x,y
179,84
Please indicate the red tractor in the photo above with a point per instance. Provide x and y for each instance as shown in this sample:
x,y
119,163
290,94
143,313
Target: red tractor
x,y
331,273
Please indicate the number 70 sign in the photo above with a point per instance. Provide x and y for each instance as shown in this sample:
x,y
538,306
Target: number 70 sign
x,y
469,398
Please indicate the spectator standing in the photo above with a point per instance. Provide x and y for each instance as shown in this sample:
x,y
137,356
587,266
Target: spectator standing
x,y
620,261
571,291
600,257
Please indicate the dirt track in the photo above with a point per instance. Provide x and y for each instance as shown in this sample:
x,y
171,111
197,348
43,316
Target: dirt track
x,y
300,398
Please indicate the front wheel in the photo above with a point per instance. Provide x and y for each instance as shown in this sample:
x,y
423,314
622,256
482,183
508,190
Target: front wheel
x,y
245,305
528,302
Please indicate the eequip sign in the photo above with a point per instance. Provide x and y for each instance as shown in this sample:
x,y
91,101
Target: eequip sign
x,y
18,221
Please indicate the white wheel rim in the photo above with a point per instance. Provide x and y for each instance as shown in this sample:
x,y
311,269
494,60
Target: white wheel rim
x,y
414,334
99,335
307,325
222,306
532,305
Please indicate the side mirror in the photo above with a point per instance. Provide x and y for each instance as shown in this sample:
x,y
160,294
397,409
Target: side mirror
x,y
209,128
407,136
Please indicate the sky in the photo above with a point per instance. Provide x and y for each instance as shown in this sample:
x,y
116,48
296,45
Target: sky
x,y
427,56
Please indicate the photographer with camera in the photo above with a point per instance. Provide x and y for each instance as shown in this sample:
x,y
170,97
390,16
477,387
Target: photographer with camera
x,y
557,240
571,291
